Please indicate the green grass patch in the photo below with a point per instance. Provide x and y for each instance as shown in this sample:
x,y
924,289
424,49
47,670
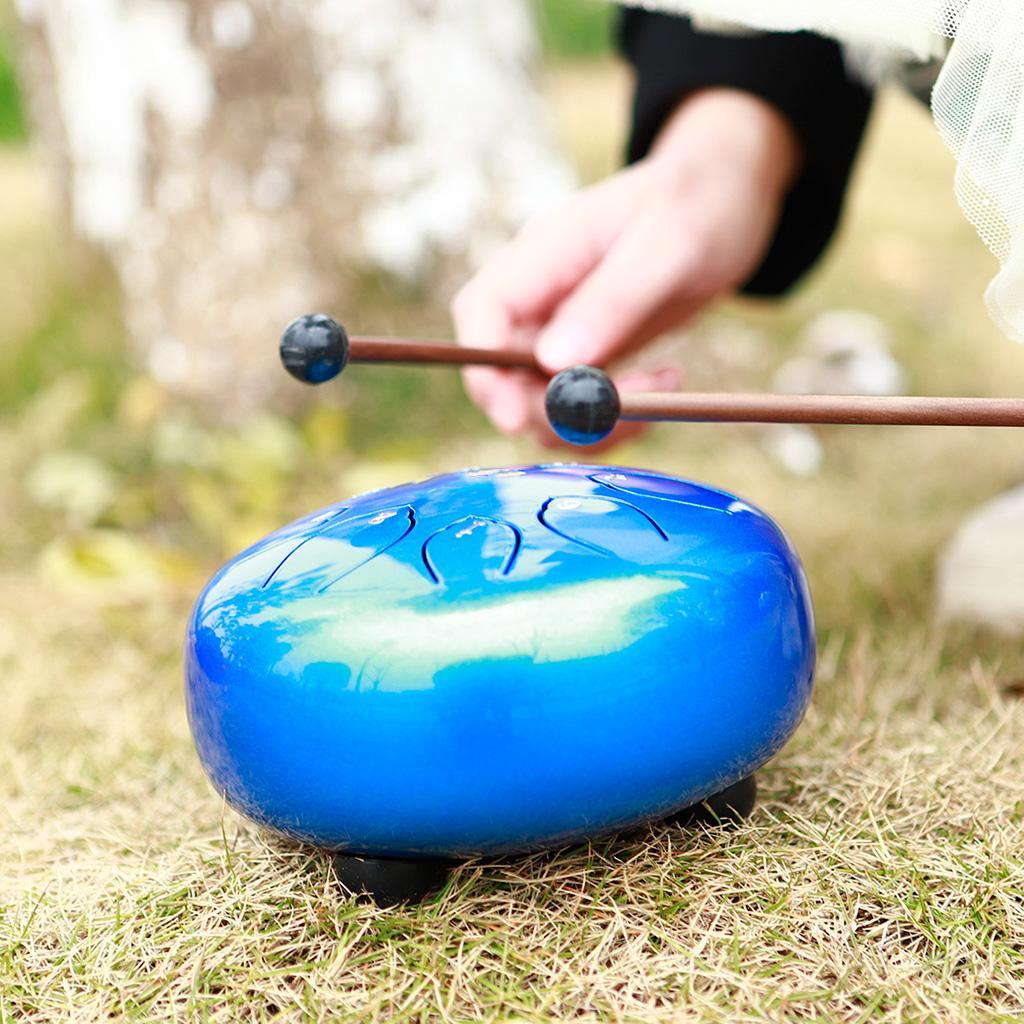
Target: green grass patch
x,y
12,115
576,28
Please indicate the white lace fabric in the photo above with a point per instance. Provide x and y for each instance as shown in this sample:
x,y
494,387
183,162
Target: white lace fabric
x,y
978,100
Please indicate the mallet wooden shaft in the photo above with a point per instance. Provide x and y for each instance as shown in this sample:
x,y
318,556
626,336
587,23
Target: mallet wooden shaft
x,y
402,350
709,407
863,409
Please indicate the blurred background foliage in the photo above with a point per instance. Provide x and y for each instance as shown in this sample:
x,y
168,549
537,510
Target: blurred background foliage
x,y
575,28
12,120
568,29
111,488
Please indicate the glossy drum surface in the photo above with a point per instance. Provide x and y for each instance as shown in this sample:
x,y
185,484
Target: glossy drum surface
x,y
499,660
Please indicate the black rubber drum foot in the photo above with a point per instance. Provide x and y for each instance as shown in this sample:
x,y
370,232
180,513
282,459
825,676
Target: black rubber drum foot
x,y
389,881
730,807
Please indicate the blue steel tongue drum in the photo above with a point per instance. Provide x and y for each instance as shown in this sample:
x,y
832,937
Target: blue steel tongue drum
x,y
498,661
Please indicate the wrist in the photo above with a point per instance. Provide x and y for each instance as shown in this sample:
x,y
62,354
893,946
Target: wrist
x,y
719,128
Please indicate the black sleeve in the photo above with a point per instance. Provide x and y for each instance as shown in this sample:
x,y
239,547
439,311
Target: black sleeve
x,y
801,74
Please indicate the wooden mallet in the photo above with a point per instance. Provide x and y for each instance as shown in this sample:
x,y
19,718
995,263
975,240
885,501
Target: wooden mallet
x,y
583,405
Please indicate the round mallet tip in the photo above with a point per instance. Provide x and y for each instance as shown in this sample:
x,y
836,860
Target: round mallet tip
x,y
582,405
314,348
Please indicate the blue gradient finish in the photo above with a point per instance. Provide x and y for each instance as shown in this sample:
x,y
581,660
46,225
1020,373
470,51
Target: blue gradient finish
x,y
496,661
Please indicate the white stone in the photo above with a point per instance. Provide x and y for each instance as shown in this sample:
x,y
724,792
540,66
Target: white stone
x,y
981,571
842,352
794,447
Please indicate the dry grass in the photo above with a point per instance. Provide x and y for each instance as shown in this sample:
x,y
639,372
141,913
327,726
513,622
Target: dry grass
x,y
882,877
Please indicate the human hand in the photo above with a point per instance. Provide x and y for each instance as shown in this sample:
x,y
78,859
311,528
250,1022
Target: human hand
x,y
631,257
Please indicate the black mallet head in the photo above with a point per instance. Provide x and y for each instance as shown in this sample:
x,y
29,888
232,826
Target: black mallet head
x,y
314,348
582,405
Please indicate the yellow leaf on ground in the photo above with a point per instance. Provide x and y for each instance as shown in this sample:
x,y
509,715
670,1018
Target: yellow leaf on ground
x,y
112,565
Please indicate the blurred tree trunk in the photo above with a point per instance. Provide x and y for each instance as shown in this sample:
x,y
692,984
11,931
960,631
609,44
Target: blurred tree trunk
x,y
245,161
